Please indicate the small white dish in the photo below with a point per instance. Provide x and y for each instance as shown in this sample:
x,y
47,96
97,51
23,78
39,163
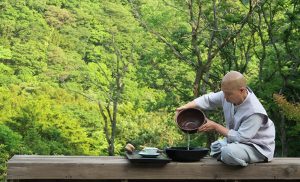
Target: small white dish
x,y
145,154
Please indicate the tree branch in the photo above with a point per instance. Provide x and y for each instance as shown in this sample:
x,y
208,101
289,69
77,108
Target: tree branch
x,y
176,52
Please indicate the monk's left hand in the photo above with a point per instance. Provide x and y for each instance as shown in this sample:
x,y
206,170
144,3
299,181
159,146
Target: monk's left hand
x,y
208,126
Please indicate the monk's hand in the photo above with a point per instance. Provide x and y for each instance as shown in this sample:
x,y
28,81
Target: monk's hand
x,y
208,126
180,108
177,111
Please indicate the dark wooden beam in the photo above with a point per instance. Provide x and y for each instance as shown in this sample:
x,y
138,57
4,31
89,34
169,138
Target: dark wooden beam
x,y
119,168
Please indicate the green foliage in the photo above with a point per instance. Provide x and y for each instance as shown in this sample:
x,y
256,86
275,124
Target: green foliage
x,y
7,77
59,58
10,140
57,17
291,110
10,144
4,156
5,53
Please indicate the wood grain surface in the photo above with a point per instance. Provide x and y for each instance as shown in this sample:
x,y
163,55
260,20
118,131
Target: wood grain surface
x,y
106,167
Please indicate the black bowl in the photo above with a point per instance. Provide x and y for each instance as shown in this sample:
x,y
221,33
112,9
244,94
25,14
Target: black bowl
x,y
189,120
181,154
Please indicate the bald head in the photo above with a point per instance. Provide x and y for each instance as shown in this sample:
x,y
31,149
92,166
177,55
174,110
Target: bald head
x,y
234,80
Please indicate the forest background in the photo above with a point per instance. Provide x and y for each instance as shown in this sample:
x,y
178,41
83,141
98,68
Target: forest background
x,y
84,77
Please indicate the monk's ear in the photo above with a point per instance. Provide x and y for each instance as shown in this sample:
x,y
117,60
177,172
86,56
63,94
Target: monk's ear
x,y
242,89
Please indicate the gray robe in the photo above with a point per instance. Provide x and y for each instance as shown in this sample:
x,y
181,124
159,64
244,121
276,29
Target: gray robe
x,y
264,139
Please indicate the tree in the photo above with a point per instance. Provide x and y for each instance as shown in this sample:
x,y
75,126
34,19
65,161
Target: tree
x,y
200,27
198,40
111,65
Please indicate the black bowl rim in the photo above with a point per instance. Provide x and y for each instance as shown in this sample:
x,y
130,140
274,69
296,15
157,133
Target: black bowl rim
x,y
185,149
181,154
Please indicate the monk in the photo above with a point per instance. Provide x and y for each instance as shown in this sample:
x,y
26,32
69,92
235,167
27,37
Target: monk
x,y
249,135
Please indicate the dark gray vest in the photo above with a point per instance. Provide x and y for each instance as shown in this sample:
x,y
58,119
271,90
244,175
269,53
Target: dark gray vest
x,y
264,140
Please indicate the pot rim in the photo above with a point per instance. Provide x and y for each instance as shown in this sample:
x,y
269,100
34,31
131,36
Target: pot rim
x,y
190,130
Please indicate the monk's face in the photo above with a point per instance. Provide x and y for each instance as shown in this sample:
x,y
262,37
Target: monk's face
x,y
234,88
234,95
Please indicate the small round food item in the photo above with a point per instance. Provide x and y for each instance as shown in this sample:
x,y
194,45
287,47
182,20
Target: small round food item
x,y
129,148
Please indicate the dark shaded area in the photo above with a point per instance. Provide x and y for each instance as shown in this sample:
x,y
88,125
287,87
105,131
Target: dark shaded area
x,y
183,154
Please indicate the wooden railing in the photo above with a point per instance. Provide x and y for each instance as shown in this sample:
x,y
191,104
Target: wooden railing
x,y
60,168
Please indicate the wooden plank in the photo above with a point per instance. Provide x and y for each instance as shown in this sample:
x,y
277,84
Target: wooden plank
x,y
87,167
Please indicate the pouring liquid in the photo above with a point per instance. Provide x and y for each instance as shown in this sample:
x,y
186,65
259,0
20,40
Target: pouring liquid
x,y
188,142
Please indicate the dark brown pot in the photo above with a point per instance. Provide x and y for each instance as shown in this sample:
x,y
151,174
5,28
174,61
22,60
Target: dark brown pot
x,y
189,120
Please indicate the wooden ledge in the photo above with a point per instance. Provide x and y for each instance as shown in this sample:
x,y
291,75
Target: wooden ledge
x,y
109,168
